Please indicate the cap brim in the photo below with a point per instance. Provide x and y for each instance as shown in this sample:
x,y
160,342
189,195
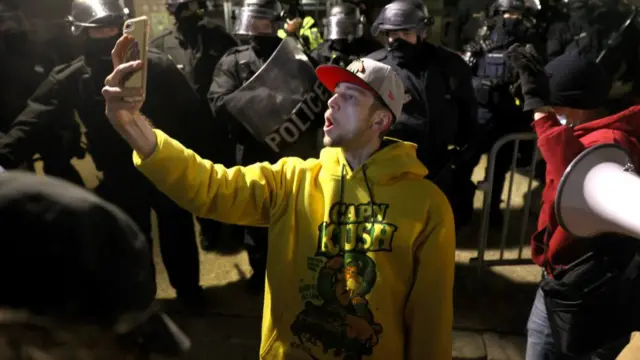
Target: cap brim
x,y
160,335
332,75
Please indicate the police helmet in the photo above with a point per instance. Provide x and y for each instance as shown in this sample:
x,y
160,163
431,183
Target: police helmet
x,y
510,6
402,15
96,13
253,16
344,22
313,5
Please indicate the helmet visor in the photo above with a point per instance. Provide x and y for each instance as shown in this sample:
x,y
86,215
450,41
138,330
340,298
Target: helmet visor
x,y
255,22
340,27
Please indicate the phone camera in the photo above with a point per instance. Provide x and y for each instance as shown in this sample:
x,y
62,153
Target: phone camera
x,y
128,27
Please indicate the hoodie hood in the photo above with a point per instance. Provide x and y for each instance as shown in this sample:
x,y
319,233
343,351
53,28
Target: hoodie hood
x,y
627,122
394,160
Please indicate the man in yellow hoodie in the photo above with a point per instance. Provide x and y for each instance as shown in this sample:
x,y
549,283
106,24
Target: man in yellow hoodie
x,y
361,246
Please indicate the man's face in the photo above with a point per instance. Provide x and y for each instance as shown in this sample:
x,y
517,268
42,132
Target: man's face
x,y
409,35
261,26
102,32
348,119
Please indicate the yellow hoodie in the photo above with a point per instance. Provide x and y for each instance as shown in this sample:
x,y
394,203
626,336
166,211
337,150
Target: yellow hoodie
x,y
360,262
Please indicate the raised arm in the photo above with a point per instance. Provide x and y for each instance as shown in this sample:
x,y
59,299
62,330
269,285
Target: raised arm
x,y
240,195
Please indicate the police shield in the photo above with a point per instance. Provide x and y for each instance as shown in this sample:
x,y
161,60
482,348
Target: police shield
x,y
283,104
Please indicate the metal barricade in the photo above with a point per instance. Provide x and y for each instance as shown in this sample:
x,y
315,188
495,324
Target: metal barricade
x,y
480,260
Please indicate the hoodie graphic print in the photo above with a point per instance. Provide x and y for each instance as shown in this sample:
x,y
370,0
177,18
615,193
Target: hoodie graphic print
x,y
360,262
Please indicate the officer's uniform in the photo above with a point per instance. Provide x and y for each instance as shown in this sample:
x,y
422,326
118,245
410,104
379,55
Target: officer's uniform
x,y
197,55
469,19
440,110
345,41
24,67
440,107
499,112
598,33
172,106
196,59
234,69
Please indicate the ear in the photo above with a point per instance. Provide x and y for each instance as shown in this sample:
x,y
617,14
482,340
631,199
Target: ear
x,y
382,120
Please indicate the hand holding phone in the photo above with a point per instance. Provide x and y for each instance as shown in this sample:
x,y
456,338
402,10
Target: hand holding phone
x,y
137,45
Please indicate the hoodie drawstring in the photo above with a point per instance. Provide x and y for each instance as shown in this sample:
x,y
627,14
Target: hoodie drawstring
x,y
366,182
340,191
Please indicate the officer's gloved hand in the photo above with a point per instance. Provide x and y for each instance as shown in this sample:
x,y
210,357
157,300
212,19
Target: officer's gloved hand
x,y
533,78
292,27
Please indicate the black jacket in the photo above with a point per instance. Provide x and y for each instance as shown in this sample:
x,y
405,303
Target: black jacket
x,y
171,104
196,58
440,107
234,69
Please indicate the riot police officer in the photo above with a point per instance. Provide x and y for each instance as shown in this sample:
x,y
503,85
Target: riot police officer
x,y
196,44
78,85
469,19
589,24
257,24
498,111
605,31
344,37
23,66
440,106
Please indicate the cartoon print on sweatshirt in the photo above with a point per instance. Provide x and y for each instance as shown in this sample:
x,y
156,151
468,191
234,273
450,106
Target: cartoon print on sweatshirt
x,y
336,315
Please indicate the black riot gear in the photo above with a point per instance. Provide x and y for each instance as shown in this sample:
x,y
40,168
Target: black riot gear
x,y
344,37
195,44
499,112
93,14
344,22
402,15
23,67
510,6
252,12
96,13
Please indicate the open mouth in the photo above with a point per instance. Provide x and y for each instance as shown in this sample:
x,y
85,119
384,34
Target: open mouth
x,y
327,123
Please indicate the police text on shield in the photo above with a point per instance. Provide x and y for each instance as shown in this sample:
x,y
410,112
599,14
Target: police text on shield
x,y
301,118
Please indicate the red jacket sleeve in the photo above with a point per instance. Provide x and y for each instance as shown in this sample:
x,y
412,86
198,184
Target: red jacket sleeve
x,y
558,145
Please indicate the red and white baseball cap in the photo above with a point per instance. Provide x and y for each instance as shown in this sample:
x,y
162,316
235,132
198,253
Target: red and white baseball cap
x,y
369,74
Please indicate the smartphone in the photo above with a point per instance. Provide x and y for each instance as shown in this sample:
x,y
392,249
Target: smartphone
x,y
139,29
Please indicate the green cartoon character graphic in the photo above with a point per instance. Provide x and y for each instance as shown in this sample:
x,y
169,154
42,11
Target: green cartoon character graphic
x,y
343,323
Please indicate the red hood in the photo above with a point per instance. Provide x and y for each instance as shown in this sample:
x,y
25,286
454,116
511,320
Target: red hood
x,y
627,122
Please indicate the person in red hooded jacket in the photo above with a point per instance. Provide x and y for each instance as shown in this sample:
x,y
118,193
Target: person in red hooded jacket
x,y
566,97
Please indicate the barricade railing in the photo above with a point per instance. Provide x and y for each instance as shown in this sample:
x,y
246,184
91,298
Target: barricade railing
x,y
487,186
